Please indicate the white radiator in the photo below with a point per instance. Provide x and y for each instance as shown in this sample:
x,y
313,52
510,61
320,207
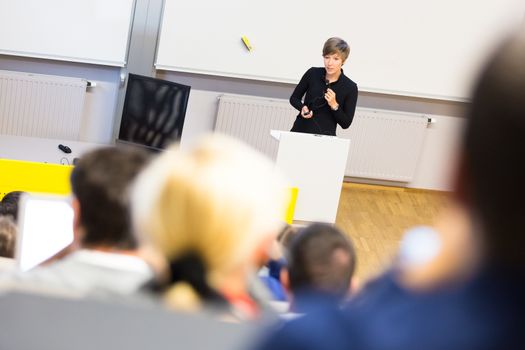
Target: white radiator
x,y
384,145
39,105
251,119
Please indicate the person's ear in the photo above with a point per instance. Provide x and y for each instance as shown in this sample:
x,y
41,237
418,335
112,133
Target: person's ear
x,y
284,278
78,230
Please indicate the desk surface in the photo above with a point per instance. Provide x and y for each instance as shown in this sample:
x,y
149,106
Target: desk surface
x,y
43,150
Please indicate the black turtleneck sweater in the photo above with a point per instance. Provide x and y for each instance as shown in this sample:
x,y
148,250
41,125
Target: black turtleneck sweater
x,y
324,121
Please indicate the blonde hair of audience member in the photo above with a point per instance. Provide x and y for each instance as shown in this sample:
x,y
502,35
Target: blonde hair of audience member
x,y
221,200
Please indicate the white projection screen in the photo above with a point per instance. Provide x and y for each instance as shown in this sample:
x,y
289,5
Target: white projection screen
x,y
417,48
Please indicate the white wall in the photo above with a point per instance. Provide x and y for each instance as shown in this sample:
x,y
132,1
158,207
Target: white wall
x,y
200,115
434,170
103,103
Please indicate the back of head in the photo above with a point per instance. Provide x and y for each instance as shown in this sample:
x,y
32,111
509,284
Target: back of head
x,y
321,259
217,202
494,149
8,231
9,204
100,182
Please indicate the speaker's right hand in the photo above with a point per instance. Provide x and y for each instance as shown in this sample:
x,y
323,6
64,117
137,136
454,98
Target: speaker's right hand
x,y
306,113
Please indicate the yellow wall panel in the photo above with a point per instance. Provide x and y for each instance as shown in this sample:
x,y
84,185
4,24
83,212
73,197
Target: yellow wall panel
x,y
16,175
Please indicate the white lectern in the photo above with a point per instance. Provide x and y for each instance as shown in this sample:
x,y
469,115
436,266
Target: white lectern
x,y
315,164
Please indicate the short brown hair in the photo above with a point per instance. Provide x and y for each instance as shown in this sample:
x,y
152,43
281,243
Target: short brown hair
x,y
321,258
336,45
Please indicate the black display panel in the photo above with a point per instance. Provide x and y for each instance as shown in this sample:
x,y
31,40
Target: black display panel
x,y
153,113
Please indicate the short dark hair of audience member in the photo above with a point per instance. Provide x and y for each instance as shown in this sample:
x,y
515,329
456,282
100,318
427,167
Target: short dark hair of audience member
x,y
494,149
100,184
7,237
321,259
9,204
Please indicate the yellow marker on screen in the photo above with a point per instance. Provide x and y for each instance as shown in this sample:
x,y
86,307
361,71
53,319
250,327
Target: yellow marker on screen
x,y
246,43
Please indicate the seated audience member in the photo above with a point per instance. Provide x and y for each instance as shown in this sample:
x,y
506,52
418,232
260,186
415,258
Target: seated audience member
x,y
7,237
281,248
8,229
480,303
270,273
213,212
104,260
9,204
320,269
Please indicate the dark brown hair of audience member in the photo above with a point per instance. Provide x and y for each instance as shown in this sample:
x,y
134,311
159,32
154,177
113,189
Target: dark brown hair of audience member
x,y
7,237
321,259
9,204
100,182
493,168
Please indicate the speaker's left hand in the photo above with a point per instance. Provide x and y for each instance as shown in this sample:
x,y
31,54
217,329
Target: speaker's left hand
x,y
329,96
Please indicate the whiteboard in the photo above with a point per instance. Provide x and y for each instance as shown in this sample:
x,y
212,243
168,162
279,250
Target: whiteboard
x,y
92,31
430,48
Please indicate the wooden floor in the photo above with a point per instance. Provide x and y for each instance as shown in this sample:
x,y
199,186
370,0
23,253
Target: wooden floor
x,y
375,218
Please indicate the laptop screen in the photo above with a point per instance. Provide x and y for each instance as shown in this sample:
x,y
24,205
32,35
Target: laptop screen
x,y
45,228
